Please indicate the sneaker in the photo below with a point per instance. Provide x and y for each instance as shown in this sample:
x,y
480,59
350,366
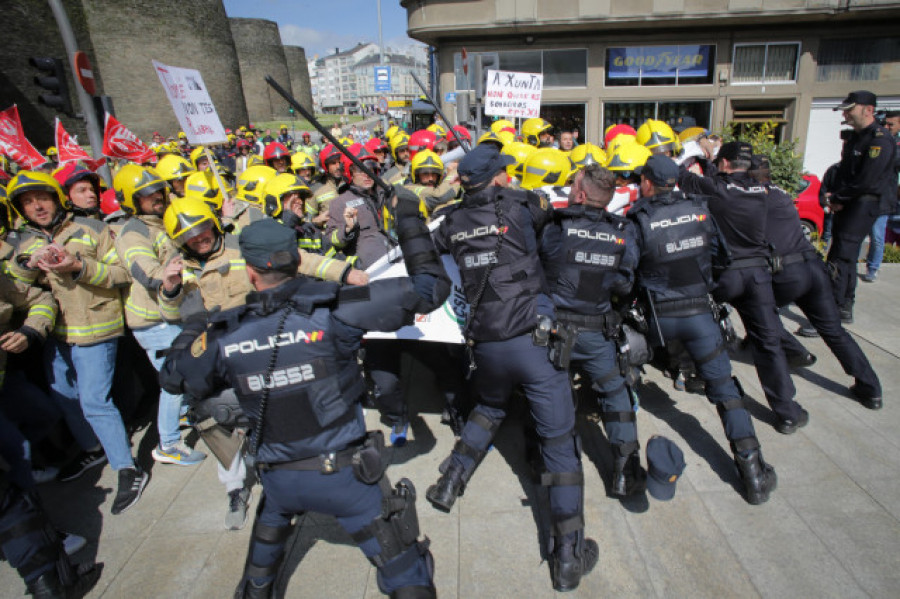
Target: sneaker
x,y
44,475
399,433
238,502
807,332
870,276
179,454
678,381
185,422
131,484
84,462
72,543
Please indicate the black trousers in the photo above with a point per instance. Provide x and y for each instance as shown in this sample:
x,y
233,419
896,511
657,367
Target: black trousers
x,y
851,225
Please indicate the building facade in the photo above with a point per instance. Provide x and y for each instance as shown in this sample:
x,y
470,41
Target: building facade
x,y
718,61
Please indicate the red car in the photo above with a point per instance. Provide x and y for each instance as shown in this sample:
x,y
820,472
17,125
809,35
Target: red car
x,y
812,216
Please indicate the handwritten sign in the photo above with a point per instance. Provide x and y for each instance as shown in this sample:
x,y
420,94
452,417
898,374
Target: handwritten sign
x,y
513,94
192,105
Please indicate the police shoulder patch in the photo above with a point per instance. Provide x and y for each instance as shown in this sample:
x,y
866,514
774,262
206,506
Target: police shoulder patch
x,y
198,347
874,151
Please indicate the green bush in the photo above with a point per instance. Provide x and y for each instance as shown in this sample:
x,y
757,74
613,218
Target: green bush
x,y
891,254
785,162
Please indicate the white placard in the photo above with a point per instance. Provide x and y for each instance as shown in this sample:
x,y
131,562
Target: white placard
x,y
192,105
513,94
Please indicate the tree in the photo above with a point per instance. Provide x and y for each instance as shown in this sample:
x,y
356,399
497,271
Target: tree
x,y
785,163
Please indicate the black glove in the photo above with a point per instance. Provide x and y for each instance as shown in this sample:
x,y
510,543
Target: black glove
x,y
406,202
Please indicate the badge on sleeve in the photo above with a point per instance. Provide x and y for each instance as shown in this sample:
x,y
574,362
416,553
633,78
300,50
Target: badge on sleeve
x,y
874,151
198,347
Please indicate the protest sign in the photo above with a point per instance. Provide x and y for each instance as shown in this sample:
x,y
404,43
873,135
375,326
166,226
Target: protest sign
x,y
192,105
513,94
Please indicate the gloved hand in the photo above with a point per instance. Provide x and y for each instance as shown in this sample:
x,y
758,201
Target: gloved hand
x,y
405,202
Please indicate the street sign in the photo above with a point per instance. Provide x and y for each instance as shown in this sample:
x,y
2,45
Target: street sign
x,y
450,97
399,103
382,79
84,73
382,105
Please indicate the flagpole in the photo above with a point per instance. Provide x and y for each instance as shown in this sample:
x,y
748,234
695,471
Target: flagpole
x,y
95,136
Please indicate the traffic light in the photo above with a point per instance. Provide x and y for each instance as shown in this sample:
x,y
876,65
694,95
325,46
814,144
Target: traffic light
x,y
54,82
483,62
291,110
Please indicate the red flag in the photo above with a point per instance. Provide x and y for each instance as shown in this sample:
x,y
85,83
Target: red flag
x,y
13,141
67,148
119,142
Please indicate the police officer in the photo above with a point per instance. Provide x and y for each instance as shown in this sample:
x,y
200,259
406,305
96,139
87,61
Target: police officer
x,y
589,256
679,243
802,278
866,187
302,397
492,236
739,203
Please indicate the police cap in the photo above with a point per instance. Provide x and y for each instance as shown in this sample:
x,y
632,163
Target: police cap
x,y
858,97
736,150
665,463
481,164
269,245
660,170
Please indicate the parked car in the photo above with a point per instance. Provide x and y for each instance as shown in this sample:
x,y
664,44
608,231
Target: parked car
x,y
812,216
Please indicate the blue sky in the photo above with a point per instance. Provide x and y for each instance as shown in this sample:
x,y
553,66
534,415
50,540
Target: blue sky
x,y
320,26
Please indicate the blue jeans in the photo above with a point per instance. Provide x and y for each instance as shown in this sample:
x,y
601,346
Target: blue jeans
x,y
80,379
876,244
154,338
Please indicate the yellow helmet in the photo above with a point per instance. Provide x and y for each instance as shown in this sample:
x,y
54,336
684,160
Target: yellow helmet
x,y
133,182
35,181
196,154
278,187
658,137
174,166
203,185
585,154
437,129
507,137
255,160
426,161
301,160
520,151
51,152
627,157
532,129
503,125
252,183
399,142
182,135
546,166
617,142
691,133
187,217
391,132
283,127
493,138
346,142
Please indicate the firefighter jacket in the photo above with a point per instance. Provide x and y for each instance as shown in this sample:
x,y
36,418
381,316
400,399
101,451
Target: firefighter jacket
x,y
39,305
145,249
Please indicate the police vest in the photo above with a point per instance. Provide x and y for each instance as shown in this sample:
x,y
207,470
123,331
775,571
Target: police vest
x,y
313,388
592,247
507,306
675,260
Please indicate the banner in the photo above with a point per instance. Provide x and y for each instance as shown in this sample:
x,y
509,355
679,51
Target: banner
x,y
13,141
119,142
513,94
192,105
68,150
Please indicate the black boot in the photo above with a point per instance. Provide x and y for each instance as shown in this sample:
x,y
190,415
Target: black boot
x,y
759,478
568,564
47,586
449,486
415,593
629,477
247,589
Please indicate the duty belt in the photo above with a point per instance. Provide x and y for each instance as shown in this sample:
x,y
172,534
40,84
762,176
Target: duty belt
x,y
326,463
749,263
683,307
797,257
592,321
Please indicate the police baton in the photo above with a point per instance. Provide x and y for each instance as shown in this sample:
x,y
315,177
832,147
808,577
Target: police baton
x,y
440,112
327,135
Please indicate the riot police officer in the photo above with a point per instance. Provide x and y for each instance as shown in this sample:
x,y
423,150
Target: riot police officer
x,y
679,242
492,235
866,188
301,394
589,256
739,203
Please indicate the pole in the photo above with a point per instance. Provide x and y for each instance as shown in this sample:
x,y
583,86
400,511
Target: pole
x,y
440,112
384,117
95,136
327,134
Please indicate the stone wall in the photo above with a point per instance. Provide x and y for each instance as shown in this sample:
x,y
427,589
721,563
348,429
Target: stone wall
x,y
260,53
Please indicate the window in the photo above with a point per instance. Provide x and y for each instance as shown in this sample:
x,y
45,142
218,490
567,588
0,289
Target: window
x,y
638,66
561,68
859,60
765,63
635,113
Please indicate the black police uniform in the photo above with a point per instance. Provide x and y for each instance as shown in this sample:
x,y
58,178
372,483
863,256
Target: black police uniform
x,y
304,403
678,242
589,255
492,236
803,279
866,187
739,203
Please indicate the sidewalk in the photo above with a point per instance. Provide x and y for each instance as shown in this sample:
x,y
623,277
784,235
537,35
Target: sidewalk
x,y
831,529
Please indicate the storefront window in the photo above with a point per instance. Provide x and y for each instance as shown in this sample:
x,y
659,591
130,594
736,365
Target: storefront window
x,y
635,113
765,63
636,66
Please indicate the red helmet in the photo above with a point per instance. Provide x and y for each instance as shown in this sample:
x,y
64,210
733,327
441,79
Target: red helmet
x,y
108,201
305,134
616,130
462,132
242,143
73,172
421,140
275,150
376,144
326,154
360,152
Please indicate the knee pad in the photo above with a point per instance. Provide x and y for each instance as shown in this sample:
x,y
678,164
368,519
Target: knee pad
x,y
268,535
34,529
468,451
